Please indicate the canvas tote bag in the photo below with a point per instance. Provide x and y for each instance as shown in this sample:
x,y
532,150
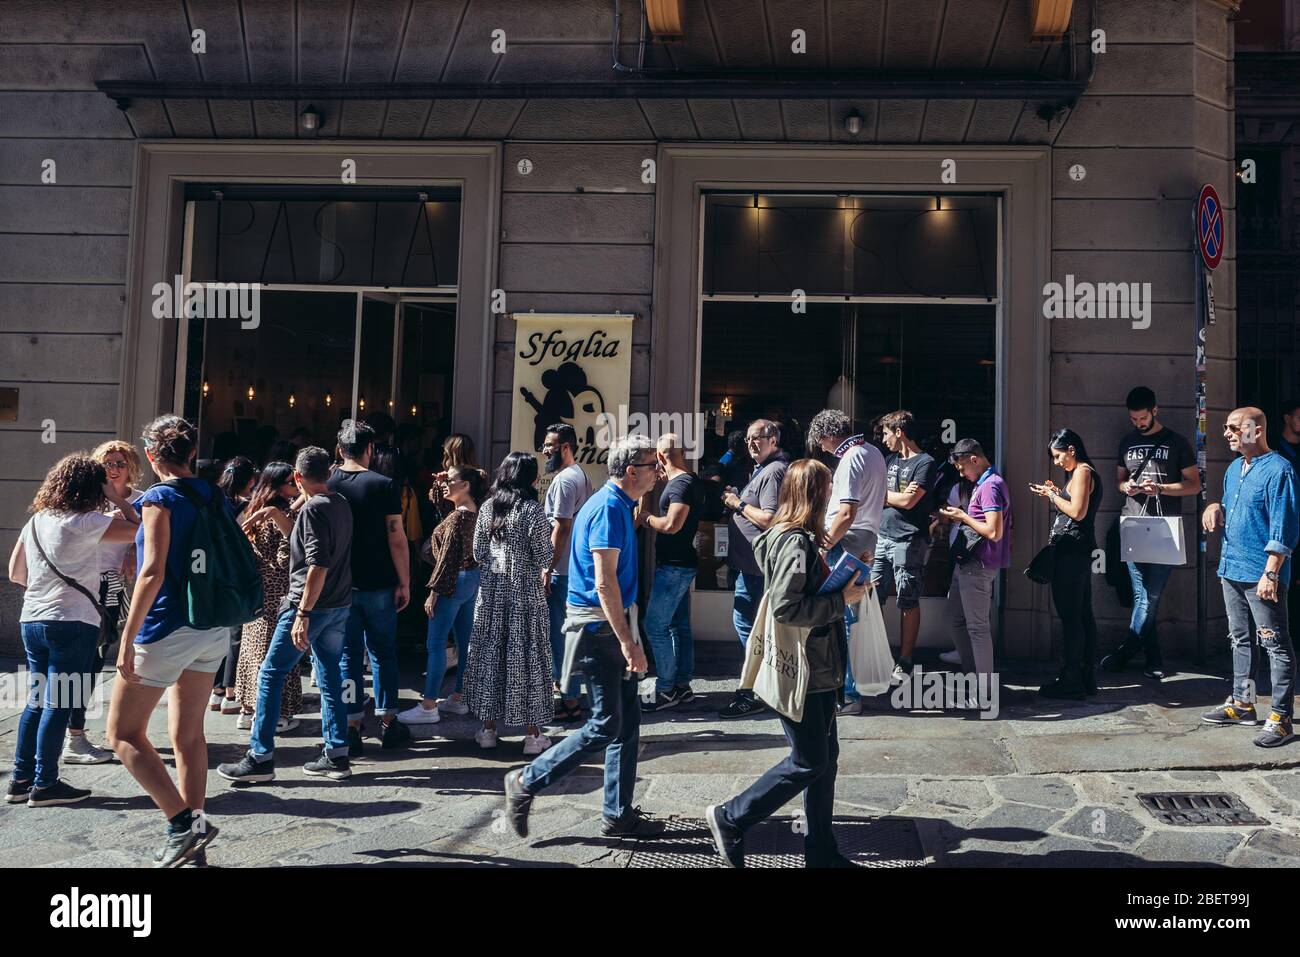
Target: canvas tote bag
x,y
776,664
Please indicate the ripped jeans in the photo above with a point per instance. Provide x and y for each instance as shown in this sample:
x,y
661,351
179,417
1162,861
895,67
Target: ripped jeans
x,y
1270,627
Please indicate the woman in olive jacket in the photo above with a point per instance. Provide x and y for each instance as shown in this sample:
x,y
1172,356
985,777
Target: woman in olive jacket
x,y
788,554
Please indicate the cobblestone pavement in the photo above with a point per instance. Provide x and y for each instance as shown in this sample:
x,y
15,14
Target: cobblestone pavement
x,y
1038,786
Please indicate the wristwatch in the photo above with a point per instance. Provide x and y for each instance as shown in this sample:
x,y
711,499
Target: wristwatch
x,y
1271,576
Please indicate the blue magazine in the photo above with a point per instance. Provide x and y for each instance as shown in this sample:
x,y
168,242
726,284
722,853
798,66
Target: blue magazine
x,y
845,566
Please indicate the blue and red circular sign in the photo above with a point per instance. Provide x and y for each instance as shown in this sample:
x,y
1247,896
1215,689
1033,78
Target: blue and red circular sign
x,y
1209,226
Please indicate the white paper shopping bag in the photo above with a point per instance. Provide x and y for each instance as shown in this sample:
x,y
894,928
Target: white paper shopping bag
x,y
1152,539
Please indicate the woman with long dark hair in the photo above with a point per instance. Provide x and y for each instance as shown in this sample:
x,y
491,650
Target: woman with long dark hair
x,y
457,452
236,483
509,673
1074,536
57,560
268,522
793,571
453,588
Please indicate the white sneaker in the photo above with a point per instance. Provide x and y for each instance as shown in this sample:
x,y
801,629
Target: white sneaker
x,y
852,707
285,725
244,722
486,738
951,657
215,701
898,677
453,706
418,714
536,743
77,749
229,706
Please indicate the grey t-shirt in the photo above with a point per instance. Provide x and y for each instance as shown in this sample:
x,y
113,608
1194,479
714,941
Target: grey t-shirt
x,y
764,491
566,494
322,536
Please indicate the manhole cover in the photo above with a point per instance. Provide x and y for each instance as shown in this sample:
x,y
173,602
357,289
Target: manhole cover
x,y
1187,808
775,843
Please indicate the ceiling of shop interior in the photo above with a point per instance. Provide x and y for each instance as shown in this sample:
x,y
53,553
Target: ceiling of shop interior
x,y
443,41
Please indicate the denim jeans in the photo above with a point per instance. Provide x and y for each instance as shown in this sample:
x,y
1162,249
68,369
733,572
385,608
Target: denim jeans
x,y
749,592
326,631
452,613
555,604
811,768
372,627
59,654
668,626
1271,627
1148,583
614,726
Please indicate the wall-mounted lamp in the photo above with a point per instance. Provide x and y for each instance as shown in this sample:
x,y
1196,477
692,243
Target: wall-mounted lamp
x,y
251,393
310,119
853,123
361,403
292,400
664,18
412,410
329,399
205,388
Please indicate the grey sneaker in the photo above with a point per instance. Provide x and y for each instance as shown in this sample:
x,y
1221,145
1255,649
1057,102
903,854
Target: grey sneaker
x,y
1232,712
182,846
336,769
1277,731
77,749
518,802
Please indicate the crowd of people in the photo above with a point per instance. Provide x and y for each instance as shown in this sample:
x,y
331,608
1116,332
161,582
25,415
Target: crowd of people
x,y
540,595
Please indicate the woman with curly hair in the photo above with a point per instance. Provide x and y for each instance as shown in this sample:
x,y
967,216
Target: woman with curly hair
x,y
159,649
58,560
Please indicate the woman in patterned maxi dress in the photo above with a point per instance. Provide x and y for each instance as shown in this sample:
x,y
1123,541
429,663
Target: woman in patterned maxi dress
x,y
509,673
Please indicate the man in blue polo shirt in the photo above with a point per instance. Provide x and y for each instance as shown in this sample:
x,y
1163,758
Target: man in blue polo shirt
x,y
601,639
1260,527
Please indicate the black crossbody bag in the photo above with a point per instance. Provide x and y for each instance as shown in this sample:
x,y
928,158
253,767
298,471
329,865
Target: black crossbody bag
x,y
108,620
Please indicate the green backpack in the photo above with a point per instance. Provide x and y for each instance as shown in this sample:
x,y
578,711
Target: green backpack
x,y
223,583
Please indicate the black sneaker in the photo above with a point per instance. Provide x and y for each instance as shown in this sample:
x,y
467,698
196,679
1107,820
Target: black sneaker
x,y
394,735
662,700
518,802
684,694
182,846
248,770
1157,673
57,793
632,823
336,769
19,792
730,845
356,747
1114,663
742,706
1059,688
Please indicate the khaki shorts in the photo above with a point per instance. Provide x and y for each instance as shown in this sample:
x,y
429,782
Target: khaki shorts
x,y
160,663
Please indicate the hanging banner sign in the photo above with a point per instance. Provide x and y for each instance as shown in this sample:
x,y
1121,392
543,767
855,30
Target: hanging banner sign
x,y
573,369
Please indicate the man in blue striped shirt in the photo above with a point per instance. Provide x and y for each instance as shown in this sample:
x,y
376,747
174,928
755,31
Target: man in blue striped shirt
x,y
1260,517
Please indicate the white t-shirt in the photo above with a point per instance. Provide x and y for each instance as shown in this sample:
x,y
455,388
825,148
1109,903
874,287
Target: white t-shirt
x,y
859,479
565,496
72,540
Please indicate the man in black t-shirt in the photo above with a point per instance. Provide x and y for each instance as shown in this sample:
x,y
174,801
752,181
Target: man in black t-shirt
x,y
668,615
381,585
1156,468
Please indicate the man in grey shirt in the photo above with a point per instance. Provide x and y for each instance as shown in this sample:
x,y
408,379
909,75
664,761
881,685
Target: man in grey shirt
x,y
313,614
752,511
568,491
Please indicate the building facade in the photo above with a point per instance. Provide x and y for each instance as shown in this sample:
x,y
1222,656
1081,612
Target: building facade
x,y
802,203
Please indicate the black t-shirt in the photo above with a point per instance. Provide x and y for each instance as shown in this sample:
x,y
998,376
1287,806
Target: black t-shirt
x,y
901,524
679,547
1172,454
373,497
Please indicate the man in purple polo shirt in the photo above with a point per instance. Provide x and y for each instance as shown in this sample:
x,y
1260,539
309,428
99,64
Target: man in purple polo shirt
x,y
985,542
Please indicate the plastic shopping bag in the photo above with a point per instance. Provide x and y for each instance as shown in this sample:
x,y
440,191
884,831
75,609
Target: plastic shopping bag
x,y
869,654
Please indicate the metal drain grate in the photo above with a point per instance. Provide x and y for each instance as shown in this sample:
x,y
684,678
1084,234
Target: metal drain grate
x,y
775,843
1188,808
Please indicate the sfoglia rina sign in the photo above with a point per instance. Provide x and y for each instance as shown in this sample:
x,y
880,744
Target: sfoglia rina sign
x,y
76,910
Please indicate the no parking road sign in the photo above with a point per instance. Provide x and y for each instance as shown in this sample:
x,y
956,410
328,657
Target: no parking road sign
x,y
1209,226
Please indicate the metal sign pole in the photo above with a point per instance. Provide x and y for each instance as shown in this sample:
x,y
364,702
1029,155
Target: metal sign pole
x,y
1202,582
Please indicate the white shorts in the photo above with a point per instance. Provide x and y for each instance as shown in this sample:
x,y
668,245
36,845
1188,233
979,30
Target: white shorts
x,y
159,664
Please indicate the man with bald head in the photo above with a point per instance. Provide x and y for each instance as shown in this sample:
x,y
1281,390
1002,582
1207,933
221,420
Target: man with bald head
x,y
1260,518
668,616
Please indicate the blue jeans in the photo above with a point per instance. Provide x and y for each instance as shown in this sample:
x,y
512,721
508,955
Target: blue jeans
x,y
325,632
749,592
372,627
555,604
668,626
1148,583
614,726
59,655
1272,630
452,613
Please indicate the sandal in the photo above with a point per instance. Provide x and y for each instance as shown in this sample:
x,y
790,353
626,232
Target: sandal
x,y
565,713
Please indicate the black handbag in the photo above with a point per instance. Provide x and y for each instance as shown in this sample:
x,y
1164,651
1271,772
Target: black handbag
x,y
963,547
108,619
1043,566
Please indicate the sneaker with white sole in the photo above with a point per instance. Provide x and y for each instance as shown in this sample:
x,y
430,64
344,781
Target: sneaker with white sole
x,y
230,706
419,714
215,701
285,725
77,749
486,738
244,722
951,657
536,743
453,706
898,676
60,792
